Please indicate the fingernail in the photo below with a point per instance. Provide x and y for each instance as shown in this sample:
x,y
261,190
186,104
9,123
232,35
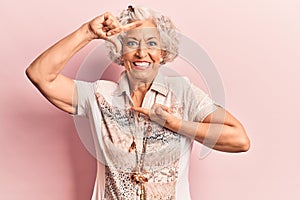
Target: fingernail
x,y
109,33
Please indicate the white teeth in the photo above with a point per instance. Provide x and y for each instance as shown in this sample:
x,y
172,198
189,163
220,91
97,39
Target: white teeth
x,y
141,64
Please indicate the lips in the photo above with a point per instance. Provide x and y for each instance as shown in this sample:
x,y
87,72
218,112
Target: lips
x,y
141,64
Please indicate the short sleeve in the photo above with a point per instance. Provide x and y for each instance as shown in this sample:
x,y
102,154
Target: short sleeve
x,y
83,96
202,105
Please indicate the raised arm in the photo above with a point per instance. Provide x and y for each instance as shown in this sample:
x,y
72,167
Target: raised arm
x,y
45,71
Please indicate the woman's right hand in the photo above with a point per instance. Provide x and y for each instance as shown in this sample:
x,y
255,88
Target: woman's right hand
x,y
106,25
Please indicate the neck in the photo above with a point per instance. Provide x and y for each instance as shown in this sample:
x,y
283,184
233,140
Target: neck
x,y
139,88
138,91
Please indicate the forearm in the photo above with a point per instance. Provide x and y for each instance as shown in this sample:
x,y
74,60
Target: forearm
x,y
217,136
49,64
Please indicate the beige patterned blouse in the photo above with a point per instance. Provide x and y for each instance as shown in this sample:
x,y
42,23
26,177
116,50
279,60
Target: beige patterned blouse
x,y
114,126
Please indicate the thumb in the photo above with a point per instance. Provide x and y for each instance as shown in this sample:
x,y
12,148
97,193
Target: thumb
x,y
159,111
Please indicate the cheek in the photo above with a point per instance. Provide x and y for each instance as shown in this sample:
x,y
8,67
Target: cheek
x,y
127,50
127,65
127,56
155,56
126,61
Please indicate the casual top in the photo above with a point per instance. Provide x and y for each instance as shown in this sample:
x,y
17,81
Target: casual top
x,y
114,126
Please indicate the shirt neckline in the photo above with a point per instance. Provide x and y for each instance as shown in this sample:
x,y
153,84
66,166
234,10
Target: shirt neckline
x,y
159,85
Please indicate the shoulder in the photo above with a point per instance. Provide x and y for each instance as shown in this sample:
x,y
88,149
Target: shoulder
x,y
103,87
176,78
177,81
182,87
178,84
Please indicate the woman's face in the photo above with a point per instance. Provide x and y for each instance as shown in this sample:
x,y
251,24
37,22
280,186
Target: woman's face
x,y
142,52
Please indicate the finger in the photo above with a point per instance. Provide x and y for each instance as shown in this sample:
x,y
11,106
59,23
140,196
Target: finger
x,y
144,111
105,29
159,111
132,25
114,31
112,26
165,108
107,15
111,21
98,20
158,115
108,22
124,28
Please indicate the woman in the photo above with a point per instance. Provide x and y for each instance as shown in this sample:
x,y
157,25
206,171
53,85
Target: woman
x,y
143,125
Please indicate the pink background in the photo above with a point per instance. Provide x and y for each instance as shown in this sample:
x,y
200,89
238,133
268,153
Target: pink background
x,y
255,47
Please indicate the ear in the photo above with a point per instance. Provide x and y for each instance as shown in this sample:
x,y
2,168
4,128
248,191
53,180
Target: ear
x,y
163,55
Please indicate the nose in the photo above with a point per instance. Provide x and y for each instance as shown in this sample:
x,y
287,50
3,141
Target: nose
x,y
141,52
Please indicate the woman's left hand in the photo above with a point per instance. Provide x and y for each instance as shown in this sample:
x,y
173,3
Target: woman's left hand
x,y
160,114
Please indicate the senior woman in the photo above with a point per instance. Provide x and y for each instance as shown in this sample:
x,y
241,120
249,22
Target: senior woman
x,y
143,125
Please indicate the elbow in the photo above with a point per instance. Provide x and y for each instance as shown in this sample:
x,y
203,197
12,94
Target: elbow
x,y
237,141
31,75
27,73
243,142
36,76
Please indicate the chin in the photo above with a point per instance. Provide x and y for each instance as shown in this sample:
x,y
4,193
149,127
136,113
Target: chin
x,y
142,75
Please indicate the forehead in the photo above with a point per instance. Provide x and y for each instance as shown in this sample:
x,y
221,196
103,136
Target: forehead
x,y
146,30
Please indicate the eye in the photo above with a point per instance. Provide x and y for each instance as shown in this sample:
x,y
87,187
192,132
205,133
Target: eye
x,y
132,43
152,43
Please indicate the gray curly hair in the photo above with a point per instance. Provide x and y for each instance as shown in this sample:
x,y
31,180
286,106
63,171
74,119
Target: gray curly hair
x,y
167,31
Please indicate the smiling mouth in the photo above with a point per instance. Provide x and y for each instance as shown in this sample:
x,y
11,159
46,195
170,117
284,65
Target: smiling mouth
x,y
141,65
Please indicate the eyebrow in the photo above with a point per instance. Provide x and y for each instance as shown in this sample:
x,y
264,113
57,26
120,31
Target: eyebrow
x,y
150,38
132,38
